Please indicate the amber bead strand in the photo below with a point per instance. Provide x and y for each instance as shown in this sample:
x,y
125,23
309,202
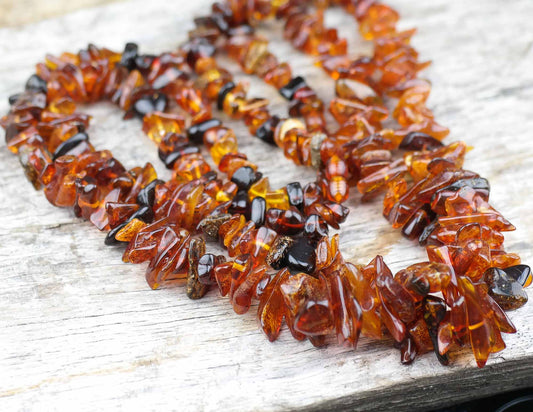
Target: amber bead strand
x,y
460,156
281,296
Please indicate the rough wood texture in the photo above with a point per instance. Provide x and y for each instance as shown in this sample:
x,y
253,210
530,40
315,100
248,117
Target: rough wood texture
x,y
80,330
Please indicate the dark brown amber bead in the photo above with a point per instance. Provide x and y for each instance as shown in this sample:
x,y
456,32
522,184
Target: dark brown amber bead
x,y
206,266
258,211
315,228
196,131
434,313
195,288
504,289
301,256
296,194
416,224
285,222
520,273
244,177
419,141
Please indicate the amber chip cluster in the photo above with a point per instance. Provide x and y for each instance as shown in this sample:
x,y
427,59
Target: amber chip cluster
x,y
386,143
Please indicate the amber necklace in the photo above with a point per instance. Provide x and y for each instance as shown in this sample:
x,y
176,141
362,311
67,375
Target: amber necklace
x,y
277,240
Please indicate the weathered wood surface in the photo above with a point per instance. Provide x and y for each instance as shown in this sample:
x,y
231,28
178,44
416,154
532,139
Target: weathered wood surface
x,y
79,330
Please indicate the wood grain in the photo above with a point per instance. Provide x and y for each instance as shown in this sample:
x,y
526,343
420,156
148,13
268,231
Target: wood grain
x,y
79,330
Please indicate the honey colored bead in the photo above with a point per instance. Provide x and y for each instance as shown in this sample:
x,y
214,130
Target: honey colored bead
x,y
157,125
277,199
271,309
259,188
129,230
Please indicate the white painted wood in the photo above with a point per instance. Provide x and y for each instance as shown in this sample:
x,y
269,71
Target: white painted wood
x,y
79,330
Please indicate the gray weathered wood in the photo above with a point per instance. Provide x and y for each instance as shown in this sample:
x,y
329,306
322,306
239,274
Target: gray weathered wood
x,y
79,330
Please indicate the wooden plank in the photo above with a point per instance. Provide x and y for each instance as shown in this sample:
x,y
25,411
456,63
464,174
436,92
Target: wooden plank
x,y
81,330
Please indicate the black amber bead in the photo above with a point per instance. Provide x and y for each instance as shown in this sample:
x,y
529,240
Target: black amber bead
x,y
196,131
110,237
146,196
244,177
130,53
419,141
148,104
265,132
70,144
206,265
315,228
295,84
416,224
170,158
426,233
257,211
144,213
301,256
296,194
143,63
479,184
36,84
13,98
520,273
224,90
220,22
240,203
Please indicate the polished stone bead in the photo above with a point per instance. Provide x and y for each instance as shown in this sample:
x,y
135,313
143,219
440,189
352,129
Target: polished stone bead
x,y
277,256
296,194
520,273
265,132
129,55
257,211
148,104
196,131
244,177
146,195
224,90
36,84
69,145
295,84
240,203
419,141
301,257
504,289
315,228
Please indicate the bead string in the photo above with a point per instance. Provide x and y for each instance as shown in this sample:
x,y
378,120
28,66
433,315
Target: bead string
x,y
160,221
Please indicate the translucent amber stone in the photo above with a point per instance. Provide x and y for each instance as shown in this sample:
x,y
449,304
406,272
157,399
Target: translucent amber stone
x,y
156,125
128,232
277,199
271,309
